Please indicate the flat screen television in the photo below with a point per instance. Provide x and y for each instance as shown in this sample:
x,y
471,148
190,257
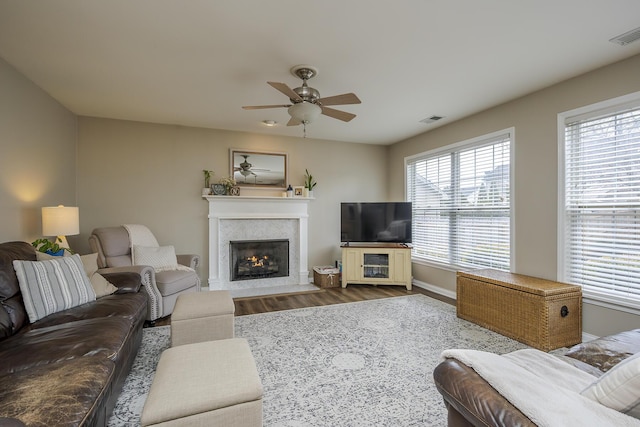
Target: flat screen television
x,y
379,222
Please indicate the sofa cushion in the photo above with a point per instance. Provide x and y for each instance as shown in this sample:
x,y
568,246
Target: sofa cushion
x,y
54,285
172,281
619,388
65,393
129,305
103,337
606,352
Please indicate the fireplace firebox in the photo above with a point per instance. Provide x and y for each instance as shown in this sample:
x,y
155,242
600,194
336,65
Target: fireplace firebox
x,y
258,259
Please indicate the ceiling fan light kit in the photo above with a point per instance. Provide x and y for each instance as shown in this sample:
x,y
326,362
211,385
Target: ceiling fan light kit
x,y
306,104
303,112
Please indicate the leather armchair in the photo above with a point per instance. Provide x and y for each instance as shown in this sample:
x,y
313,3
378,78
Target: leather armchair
x,y
114,255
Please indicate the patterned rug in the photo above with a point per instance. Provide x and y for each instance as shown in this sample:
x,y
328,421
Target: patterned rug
x,y
359,364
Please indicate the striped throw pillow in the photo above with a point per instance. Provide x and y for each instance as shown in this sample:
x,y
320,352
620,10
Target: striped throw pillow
x,y
54,285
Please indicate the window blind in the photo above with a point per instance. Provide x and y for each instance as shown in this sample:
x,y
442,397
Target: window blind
x,y
461,204
602,206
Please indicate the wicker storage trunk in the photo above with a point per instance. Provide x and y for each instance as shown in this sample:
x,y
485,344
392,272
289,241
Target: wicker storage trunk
x,y
541,313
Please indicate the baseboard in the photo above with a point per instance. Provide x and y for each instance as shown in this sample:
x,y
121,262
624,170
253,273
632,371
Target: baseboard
x,y
588,337
435,289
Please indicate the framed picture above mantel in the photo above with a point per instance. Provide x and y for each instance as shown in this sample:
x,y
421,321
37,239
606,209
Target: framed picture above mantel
x,y
259,169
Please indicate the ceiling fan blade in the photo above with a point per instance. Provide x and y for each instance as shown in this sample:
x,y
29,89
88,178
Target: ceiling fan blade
x,y
337,114
260,107
282,87
293,122
344,99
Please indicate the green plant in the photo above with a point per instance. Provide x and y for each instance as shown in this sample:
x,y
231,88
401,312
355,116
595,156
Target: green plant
x,y
309,182
46,245
207,177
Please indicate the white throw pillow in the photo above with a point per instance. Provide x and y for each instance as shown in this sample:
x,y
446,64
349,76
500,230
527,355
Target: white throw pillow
x,y
619,388
51,286
160,257
101,286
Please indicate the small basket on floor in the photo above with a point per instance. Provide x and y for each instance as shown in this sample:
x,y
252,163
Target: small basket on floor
x,y
325,276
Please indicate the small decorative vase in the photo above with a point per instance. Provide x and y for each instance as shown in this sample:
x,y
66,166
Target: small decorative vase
x,y
310,193
305,192
206,191
219,189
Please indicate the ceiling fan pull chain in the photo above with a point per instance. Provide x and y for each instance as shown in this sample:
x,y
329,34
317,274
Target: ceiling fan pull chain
x,y
304,129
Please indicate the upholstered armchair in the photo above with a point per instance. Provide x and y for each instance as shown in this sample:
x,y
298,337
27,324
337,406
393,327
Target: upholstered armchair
x,y
162,283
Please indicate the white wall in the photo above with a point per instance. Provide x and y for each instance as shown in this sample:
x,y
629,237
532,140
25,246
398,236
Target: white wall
x,y
37,155
131,172
535,190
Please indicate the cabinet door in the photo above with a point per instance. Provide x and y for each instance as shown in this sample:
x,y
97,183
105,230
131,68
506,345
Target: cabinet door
x,y
402,266
376,265
351,270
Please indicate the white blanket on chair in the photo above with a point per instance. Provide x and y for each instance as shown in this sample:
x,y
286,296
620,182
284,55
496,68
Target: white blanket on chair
x,y
140,235
543,387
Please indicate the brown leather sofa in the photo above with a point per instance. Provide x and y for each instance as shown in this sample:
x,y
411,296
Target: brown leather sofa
x,y
66,369
471,401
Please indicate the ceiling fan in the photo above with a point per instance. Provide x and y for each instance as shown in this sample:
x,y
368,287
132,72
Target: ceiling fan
x,y
306,103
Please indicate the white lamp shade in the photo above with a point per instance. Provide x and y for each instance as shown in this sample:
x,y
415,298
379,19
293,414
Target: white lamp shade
x,y
305,112
60,221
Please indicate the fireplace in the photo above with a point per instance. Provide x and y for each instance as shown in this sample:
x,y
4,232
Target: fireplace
x,y
258,259
241,218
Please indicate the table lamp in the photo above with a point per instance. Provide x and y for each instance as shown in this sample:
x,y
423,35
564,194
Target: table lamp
x,y
60,221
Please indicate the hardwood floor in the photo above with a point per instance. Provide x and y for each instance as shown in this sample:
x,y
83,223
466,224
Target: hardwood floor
x,y
325,296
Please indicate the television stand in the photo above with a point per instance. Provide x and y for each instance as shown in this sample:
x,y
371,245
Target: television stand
x,y
371,264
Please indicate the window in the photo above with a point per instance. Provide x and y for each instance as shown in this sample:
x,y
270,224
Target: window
x,y
600,202
461,203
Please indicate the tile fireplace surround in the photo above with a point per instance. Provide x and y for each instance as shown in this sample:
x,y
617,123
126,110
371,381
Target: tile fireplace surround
x,y
258,218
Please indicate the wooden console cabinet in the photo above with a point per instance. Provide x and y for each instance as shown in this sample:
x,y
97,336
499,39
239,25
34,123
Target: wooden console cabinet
x,y
376,265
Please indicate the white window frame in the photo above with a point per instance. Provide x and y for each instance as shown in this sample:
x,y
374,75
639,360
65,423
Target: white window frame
x,y
458,146
590,111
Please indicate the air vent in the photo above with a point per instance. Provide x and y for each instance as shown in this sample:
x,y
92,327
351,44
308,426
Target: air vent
x,y
626,38
431,119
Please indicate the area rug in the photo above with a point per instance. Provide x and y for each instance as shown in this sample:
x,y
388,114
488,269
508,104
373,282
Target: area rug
x,y
367,363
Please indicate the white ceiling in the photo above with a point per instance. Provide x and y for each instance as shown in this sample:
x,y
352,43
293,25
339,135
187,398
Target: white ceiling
x,y
196,62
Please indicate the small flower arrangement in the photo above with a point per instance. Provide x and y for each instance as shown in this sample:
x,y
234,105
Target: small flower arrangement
x,y
228,182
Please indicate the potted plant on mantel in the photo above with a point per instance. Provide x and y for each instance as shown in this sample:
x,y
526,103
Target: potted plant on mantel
x,y
206,190
309,183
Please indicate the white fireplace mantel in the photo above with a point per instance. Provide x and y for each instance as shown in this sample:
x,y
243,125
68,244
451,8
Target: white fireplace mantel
x,y
223,208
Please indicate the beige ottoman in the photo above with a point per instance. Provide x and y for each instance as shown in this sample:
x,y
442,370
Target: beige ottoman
x,y
212,383
202,316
